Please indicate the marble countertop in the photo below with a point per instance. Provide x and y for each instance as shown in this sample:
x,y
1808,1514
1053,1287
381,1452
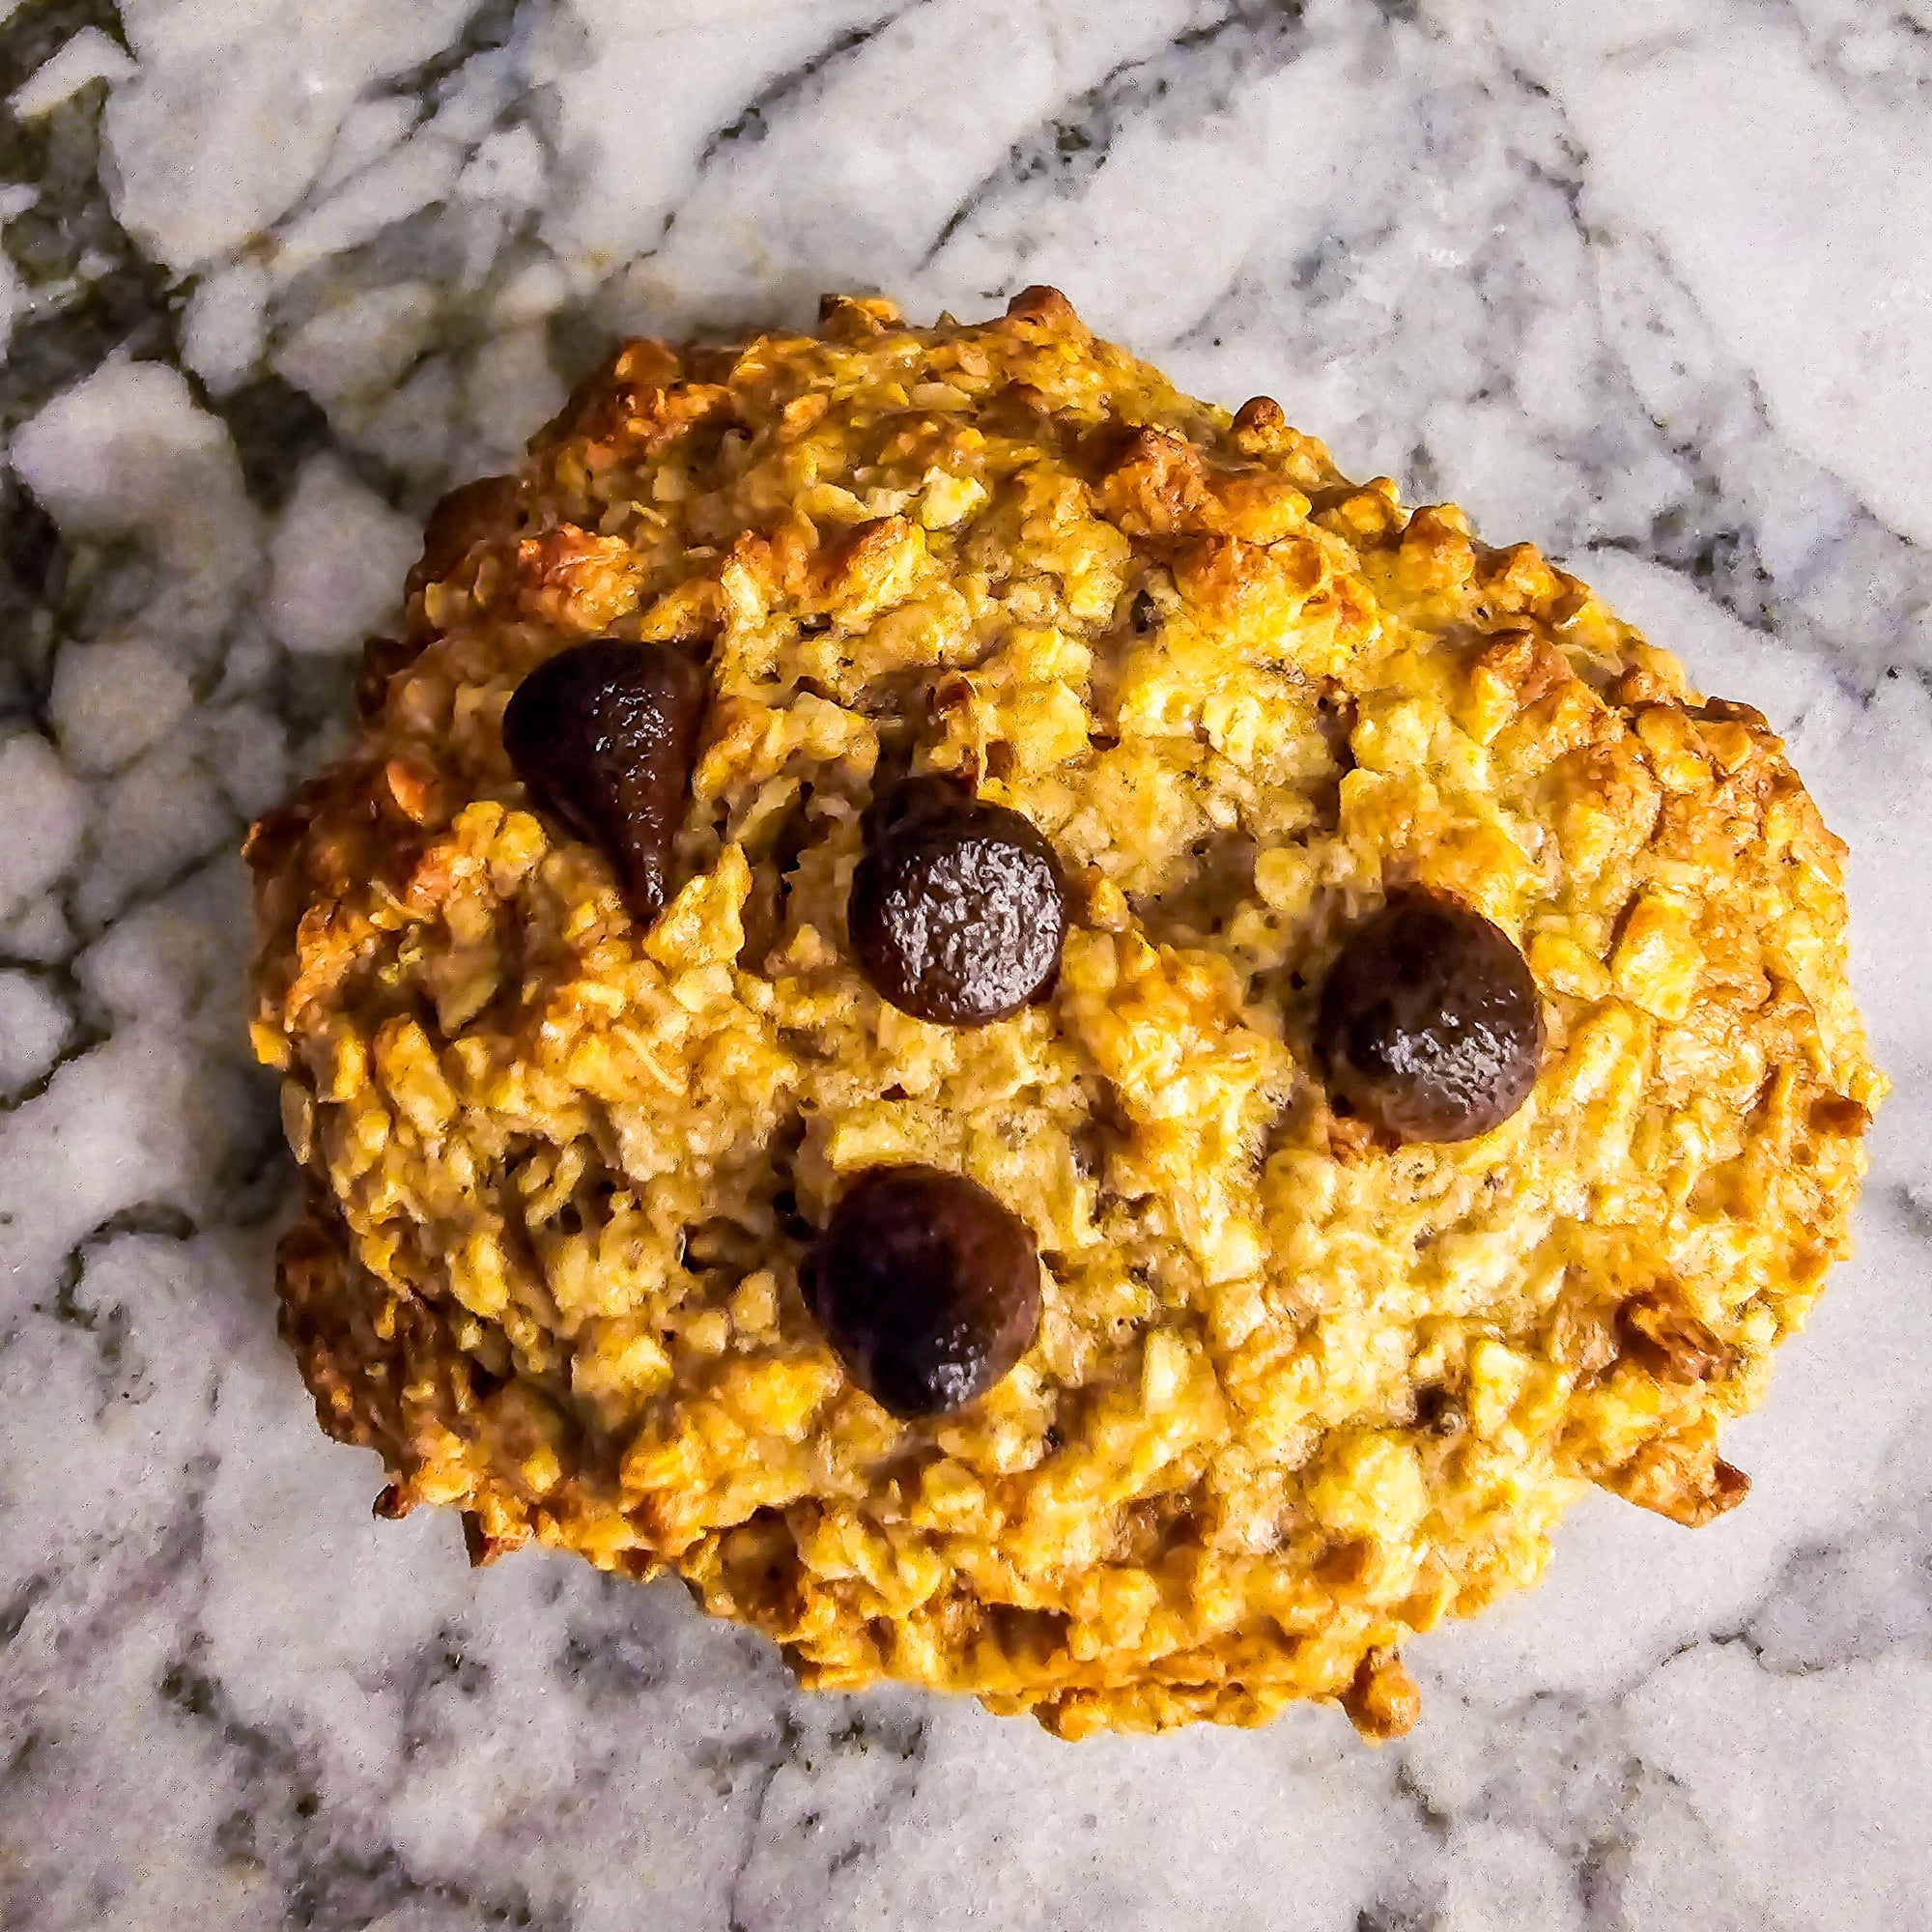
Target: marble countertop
x,y
1648,284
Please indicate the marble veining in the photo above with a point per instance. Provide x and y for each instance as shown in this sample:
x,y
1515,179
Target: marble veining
x,y
1647,284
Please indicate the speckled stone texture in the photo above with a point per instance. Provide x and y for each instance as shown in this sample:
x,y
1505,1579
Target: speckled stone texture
x,y
1644,285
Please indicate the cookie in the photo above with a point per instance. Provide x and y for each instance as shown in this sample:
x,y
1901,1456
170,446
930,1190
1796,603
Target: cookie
x,y
1049,1050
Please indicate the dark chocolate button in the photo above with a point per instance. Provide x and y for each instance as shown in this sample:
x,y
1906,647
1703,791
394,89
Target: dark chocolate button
x,y
958,907
926,1285
603,736
1430,1027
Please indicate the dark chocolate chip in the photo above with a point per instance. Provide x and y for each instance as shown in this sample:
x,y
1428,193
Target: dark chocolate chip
x,y
958,907
603,736
1430,1027
926,1285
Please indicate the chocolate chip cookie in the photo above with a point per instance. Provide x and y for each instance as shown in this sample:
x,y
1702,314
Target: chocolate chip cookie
x,y
1049,1050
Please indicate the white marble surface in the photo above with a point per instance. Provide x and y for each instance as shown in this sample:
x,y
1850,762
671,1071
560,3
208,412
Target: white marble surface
x,y
1648,283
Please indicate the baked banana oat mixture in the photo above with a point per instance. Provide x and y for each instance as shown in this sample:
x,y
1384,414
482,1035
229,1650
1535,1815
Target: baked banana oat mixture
x,y
1051,1051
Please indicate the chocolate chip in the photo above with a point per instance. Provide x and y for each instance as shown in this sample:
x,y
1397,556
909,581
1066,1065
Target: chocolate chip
x,y
958,907
603,736
1430,1027
926,1285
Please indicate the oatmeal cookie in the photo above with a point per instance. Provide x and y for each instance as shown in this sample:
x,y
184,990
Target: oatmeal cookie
x,y
1049,1050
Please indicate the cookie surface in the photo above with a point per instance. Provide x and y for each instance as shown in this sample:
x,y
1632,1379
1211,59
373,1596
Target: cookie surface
x,y
1296,1390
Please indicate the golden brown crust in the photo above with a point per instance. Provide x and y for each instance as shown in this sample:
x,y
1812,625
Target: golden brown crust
x,y
1296,1394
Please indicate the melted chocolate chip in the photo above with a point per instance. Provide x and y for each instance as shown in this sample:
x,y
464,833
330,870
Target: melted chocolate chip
x,y
926,1285
603,736
1430,1027
958,907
